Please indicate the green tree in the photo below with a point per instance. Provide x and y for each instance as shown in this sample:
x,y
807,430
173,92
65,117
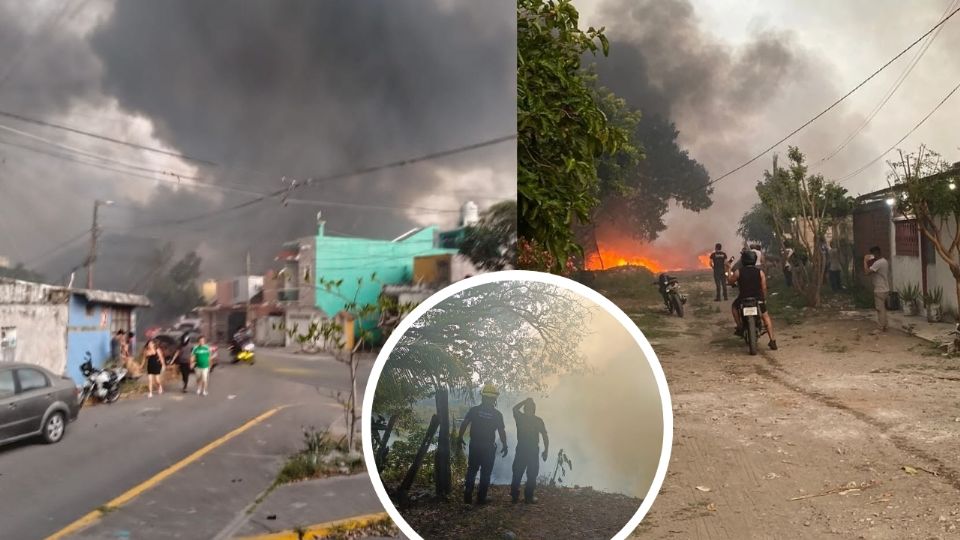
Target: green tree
x,y
174,289
927,188
757,224
802,207
492,243
511,334
562,130
640,180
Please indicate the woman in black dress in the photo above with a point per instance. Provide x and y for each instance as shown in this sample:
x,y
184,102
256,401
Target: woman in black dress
x,y
153,357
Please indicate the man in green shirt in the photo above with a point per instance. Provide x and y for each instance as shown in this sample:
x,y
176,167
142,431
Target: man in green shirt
x,y
201,363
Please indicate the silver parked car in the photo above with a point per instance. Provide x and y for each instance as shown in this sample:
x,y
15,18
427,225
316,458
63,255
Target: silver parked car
x,y
35,403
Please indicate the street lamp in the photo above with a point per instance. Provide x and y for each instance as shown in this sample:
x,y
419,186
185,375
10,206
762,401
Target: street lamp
x,y
94,234
891,201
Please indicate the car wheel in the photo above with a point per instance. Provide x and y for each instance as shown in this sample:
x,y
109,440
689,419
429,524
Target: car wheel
x,y
54,427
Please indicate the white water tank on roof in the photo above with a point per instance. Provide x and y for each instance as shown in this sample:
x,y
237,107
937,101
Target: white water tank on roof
x,y
469,214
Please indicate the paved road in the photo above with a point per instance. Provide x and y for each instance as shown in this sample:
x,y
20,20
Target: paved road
x,y
114,448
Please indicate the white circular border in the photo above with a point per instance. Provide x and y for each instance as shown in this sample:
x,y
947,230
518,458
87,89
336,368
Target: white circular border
x,y
518,275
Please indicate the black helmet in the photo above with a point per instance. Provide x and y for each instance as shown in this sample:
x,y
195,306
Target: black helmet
x,y
748,258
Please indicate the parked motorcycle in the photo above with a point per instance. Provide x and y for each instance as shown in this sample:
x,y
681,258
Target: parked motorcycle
x,y
753,326
102,384
677,298
242,350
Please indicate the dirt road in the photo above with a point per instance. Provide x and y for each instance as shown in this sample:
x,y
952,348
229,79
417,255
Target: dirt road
x,y
838,434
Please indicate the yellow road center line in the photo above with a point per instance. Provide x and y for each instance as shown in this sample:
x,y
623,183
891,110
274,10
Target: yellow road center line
x,y
135,491
323,529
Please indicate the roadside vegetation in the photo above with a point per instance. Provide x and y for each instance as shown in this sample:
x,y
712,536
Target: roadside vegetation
x,y
323,455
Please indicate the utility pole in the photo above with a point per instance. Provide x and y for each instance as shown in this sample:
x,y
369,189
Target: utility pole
x,y
94,234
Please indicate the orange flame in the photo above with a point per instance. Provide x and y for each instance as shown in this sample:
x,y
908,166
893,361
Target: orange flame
x,y
704,260
647,256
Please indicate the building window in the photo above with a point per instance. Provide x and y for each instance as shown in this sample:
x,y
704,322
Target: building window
x,y
119,319
906,239
88,307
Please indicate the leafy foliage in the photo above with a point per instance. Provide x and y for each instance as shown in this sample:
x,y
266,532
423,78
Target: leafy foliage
x,y
757,224
175,289
801,207
927,187
639,181
492,244
562,129
332,334
512,334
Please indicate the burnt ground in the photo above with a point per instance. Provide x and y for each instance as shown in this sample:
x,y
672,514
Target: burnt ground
x,y
838,434
559,513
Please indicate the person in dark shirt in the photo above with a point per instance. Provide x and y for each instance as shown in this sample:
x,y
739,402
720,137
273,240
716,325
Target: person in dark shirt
x,y
484,421
752,283
718,261
529,428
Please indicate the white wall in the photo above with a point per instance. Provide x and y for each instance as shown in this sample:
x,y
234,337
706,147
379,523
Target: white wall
x,y
41,333
938,274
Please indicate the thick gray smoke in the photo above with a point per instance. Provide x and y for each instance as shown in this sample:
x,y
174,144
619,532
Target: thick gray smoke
x,y
732,92
266,90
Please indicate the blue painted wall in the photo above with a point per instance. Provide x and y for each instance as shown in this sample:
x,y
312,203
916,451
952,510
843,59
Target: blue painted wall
x,y
86,332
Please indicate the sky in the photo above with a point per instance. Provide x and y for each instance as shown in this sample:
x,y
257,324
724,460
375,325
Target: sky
x,y
262,94
736,76
608,419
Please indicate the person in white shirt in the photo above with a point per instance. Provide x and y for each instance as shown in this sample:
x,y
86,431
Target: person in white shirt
x,y
878,268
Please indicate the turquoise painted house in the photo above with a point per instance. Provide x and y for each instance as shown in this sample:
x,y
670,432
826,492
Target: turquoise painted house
x,y
352,259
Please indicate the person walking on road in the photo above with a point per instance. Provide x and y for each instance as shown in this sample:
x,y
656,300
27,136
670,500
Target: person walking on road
x,y
200,359
183,360
834,269
718,261
527,459
484,420
877,267
153,357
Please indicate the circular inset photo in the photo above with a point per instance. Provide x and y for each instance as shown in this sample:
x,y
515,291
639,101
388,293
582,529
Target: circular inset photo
x,y
517,405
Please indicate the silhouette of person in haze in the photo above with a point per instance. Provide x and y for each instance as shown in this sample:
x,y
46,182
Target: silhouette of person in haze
x,y
529,428
484,420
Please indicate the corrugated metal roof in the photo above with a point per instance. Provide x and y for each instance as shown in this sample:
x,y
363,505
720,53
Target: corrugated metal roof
x,y
117,298
30,292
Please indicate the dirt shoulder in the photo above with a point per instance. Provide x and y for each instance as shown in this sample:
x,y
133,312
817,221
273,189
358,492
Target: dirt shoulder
x,y
559,513
839,433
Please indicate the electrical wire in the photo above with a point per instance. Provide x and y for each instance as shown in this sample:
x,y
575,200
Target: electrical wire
x,y
894,145
59,247
78,131
889,94
831,106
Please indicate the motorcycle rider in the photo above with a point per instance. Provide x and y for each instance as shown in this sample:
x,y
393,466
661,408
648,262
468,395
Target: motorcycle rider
x,y
751,283
484,421
662,281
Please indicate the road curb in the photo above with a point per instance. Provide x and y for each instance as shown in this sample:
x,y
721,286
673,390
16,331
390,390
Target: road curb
x,y
320,530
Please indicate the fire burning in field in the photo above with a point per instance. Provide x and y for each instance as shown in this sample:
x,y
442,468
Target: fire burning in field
x,y
657,259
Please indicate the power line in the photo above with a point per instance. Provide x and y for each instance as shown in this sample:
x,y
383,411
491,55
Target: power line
x,y
894,145
889,94
311,181
832,105
56,248
78,131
